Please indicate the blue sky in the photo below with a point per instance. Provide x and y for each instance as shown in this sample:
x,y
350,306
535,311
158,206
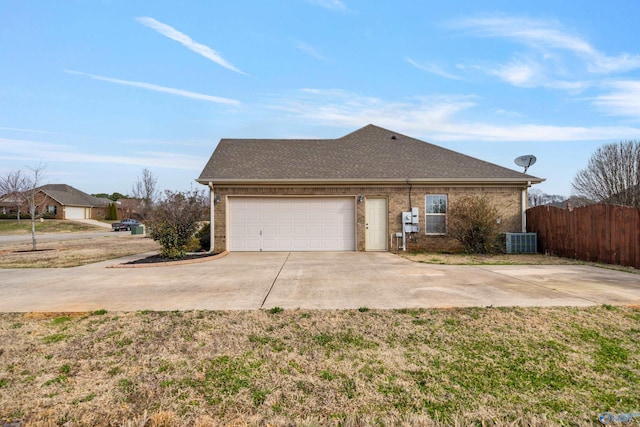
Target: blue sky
x,y
99,90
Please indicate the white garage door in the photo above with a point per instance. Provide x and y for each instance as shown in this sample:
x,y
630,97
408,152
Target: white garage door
x,y
291,224
73,213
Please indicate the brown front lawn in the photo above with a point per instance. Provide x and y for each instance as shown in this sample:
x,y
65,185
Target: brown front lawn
x,y
502,259
72,253
475,366
10,227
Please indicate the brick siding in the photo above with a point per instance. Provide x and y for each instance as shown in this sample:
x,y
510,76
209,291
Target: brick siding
x,y
508,199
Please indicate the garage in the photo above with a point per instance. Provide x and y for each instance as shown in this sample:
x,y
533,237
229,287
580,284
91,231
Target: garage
x,y
292,224
73,212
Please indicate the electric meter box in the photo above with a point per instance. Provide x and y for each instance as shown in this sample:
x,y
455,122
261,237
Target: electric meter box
x,y
406,217
414,216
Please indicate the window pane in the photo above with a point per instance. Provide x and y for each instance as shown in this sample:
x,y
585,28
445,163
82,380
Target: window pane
x,y
437,204
436,224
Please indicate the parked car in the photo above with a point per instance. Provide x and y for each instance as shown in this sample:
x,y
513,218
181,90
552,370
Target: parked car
x,y
125,224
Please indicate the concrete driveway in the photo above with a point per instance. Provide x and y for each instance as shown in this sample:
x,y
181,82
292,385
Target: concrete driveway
x,y
246,281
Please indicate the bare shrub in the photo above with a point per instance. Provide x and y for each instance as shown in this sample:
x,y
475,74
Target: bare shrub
x,y
175,220
473,221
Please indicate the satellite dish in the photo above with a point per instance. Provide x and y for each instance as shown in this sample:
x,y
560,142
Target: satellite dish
x,y
525,161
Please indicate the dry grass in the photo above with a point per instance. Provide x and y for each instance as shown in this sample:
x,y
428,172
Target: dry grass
x,y
72,253
359,367
10,227
503,259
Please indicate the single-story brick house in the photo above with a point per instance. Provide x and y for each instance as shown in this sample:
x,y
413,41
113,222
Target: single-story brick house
x,y
62,201
347,194
67,202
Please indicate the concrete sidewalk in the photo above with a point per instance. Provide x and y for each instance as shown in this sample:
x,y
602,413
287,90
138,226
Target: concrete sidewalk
x,y
326,280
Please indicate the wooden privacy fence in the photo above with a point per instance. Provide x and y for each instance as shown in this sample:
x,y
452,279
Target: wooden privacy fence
x,y
600,233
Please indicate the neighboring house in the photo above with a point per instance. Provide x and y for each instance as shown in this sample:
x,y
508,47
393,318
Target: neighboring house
x,y
9,205
348,194
129,208
61,201
66,202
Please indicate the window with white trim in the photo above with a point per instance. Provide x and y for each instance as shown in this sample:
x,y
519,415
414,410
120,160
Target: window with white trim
x,y
52,209
436,214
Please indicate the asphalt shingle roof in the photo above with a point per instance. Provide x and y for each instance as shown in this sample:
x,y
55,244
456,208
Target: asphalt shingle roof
x,y
69,196
370,153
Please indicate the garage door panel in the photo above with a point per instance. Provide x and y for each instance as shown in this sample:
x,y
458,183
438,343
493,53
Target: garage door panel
x,y
284,230
292,224
73,212
284,217
315,229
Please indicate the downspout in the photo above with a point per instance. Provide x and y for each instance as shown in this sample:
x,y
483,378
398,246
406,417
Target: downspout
x,y
524,207
212,201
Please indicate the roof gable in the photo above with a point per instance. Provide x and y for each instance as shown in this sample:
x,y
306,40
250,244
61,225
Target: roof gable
x,y
368,154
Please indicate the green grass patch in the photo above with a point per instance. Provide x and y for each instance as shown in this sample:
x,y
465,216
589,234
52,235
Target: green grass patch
x,y
60,320
50,339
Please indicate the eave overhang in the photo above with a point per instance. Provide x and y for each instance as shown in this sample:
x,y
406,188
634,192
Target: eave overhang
x,y
525,181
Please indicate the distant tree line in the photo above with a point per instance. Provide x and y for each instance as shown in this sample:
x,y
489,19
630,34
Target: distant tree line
x,y
539,198
113,196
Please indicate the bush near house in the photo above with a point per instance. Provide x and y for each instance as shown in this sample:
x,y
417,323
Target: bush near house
x,y
175,220
204,236
473,221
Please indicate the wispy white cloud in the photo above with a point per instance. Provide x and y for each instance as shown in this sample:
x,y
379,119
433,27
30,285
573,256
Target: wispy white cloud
x,y
434,118
548,35
310,50
157,88
519,73
342,108
507,113
550,57
26,130
623,99
433,69
35,151
330,4
199,48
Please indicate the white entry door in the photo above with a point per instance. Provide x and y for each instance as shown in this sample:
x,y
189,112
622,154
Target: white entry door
x,y
291,224
376,224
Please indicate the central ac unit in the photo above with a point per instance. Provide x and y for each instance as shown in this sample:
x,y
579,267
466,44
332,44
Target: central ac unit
x,y
522,243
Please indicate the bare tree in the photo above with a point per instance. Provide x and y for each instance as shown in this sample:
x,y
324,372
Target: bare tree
x,y
612,175
145,189
11,185
24,189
